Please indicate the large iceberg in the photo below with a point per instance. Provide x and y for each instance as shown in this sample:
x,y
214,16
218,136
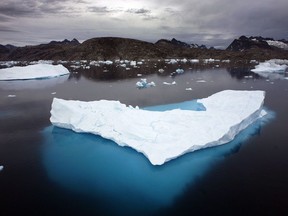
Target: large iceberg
x,y
162,136
38,71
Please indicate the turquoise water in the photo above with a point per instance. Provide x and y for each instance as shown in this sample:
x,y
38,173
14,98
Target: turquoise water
x,y
124,179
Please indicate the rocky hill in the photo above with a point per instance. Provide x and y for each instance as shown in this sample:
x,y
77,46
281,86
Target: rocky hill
x,y
105,48
245,43
114,48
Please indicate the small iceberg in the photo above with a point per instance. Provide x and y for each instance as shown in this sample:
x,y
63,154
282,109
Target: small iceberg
x,y
144,84
178,71
1,168
163,136
38,71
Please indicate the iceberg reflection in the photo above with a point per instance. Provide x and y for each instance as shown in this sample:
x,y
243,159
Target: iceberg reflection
x,y
123,178
33,83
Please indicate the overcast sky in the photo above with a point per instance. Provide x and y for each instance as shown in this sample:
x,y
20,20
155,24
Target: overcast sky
x,y
209,22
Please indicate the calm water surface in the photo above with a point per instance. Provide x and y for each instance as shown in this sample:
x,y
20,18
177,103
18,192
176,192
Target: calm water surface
x,y
53,171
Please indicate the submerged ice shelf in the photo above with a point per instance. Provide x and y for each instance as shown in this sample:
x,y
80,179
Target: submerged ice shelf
x,y
38,71
162,136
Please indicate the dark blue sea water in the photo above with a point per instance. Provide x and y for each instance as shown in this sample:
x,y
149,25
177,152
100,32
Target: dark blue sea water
x,y
54,171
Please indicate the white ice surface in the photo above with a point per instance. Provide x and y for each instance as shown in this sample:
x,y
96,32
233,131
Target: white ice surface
x,y
1,168
38,71
162,136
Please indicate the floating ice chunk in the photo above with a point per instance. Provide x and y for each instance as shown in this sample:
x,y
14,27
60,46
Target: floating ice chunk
x,y
172,61
184,60
161,70
108,62
209,60
188,89
201,81
9,63
62,62
41,62
144,84
272,69
39,71
11,96
179,71
163,136
94,63
75,66
226,61
1,168
271,66
167,83
194,60
133,63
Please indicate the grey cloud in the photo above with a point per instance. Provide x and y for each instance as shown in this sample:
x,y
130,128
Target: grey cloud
x,y
7,29
215,22
139,11
14,9
99,9
4,18
150,18
245,17
32,8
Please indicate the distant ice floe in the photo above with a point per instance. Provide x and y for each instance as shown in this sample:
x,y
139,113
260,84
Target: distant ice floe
x,y
172,83
41,62
108,62
209,60
194,61
272,69
38,71
173,61
133,63
178,71
163,136
8,63
1,168
144,84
